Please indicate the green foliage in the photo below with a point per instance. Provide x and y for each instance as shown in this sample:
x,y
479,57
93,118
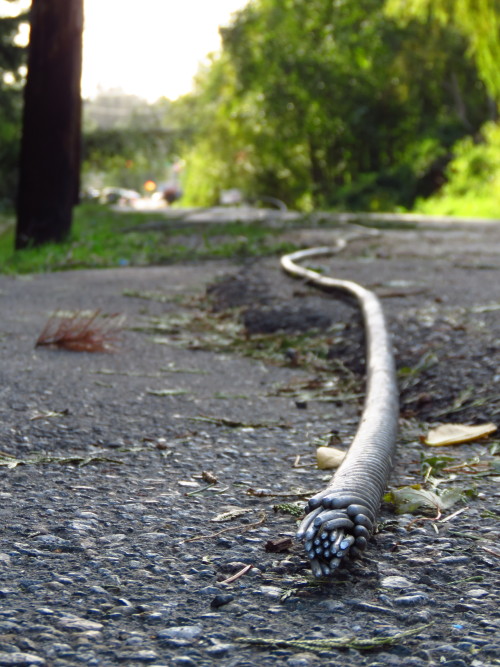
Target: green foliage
x,y
330,104
479,22
296,510
12,58
102,238
125,156
127,141
473,187
410,499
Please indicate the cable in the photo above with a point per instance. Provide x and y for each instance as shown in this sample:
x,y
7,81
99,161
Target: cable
x,y
341,518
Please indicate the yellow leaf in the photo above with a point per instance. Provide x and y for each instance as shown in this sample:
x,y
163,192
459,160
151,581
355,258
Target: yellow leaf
x,y
455,434
329,457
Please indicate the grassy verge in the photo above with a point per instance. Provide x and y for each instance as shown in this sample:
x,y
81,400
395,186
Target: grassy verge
x,y
102,238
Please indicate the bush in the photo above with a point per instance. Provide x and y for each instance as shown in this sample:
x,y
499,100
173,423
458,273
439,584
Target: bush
x,y
473,187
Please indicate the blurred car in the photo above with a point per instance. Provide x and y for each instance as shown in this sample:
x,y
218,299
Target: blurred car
x,y
118,196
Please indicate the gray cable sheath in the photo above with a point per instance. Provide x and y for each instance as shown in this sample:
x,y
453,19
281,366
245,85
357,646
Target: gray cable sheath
x,y
360,481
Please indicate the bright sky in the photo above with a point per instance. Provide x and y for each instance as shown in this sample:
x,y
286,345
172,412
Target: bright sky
x,y
151,48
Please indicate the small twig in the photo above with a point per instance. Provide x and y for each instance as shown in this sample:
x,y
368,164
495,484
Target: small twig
x,y
228,530
452,516
233,423
220,490
463,466
425,518
465,581
492,551
239,574
203,488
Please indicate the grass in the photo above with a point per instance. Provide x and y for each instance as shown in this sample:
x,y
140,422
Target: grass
x,y
103,238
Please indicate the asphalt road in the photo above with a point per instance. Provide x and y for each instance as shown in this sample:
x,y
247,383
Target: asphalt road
x,y
134,484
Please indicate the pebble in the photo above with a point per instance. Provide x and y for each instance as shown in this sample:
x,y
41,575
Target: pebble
x,y
218,649
184,660
221,599
46,611
209,590
453,560
395,582
72,622
301,660
411,600
419,561
138,656
461,606
187,632
53,542
492,650
20,659
370,607
9,626
332,605
60,650
270,591
477,593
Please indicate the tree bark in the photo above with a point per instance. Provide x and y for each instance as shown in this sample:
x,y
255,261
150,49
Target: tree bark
x,y
49,177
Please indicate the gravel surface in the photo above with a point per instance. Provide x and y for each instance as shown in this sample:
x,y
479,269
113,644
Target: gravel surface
x,y
135,484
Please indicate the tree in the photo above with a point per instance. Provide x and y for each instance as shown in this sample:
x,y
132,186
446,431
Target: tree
x,y
479,22
50,149
331,104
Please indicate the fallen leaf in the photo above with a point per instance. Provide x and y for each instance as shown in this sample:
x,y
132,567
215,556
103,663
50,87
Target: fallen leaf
x,y
456,434
230,515
239,574
408,499
166,392
329,457
47,414
209,477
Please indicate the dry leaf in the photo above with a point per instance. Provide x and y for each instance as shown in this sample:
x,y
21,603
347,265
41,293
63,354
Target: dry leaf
x,y
329,457
230,515
166,392
47,414
455,434
82,331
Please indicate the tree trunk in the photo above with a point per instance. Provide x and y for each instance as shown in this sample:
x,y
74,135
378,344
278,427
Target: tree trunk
x,y
49,175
